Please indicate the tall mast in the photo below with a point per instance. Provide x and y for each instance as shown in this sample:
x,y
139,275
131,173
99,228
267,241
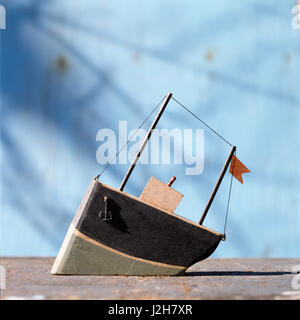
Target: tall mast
x,y
148,135
232,151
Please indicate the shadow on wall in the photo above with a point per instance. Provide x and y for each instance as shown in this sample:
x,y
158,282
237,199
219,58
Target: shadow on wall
x,y
43,103
42,83
56,97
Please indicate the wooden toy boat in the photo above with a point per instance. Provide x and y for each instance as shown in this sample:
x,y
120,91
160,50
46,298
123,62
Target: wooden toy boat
x,y
114,233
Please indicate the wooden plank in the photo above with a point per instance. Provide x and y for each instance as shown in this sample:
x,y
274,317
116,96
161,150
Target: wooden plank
x,y
161,195
142,233
148,240
141,230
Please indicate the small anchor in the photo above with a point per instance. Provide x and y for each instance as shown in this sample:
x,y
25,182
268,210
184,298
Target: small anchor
x,y
106,215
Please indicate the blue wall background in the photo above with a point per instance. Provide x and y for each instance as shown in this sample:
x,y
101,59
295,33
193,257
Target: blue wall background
x,y
70,68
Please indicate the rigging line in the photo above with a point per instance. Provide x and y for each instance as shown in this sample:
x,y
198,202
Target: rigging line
x,y
228,201
202,121
128,140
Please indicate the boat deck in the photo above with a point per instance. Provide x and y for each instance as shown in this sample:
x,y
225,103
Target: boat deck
x,y
30,278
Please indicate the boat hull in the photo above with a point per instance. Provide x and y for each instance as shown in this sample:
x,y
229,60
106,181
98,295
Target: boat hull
x,y
140,239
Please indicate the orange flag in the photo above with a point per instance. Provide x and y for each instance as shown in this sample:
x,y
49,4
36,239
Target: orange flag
x,y
237,168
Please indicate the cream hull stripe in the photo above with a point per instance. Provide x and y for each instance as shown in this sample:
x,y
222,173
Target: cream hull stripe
x,y
84,237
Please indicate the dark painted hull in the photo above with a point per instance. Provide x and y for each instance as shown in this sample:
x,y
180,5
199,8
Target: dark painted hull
x,y
139,240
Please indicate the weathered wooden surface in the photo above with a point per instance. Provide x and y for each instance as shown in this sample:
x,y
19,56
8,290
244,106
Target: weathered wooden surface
x,y
30,278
